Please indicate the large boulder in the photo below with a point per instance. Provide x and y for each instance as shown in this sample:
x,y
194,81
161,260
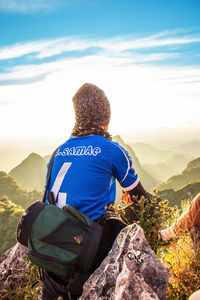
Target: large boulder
x,y
13,268
130,271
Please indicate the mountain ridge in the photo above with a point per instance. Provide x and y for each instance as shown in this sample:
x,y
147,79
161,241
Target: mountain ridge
x,y
147,180
189,174
31,172
10,188
175,197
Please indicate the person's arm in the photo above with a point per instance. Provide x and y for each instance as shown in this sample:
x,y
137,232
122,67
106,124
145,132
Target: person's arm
x,y
134,194
126,175
138,191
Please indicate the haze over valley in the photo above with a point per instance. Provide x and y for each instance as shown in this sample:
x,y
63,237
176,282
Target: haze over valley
x,y
159,168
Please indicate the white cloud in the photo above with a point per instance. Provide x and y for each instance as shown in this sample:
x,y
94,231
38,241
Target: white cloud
x,y
29,6
146,42
142,95
21,49
38,72
114,46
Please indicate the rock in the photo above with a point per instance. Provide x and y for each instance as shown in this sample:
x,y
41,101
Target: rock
x,y
131,271
13,268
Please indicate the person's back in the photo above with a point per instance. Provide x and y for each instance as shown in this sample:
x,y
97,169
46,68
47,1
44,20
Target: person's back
x,y
84,172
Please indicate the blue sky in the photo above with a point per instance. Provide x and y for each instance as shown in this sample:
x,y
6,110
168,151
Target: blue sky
x,y
145,54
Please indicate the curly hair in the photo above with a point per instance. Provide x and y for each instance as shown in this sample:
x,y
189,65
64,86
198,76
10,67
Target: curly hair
x,y
88,128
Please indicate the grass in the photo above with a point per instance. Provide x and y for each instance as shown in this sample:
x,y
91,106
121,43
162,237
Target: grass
x,y
183,264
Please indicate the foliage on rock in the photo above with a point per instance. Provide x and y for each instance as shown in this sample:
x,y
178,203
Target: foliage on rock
x,y
10,188
10,214
151,215
17,275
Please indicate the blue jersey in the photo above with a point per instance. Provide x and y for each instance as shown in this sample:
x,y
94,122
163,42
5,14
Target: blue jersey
x,y
84,172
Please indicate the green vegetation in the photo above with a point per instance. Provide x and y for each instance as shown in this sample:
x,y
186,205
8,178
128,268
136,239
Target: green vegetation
x,y
183,264
151,215
190,173
187,192
10,214
180,257
10,188
12,209
31,172
29,288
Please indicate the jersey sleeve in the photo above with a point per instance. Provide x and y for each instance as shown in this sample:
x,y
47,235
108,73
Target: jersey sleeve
x,y
123,168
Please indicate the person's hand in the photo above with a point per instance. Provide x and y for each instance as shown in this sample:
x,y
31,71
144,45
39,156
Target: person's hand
x,y
166,234
125,198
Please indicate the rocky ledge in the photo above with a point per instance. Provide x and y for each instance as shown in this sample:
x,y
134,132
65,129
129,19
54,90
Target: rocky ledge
x,y
131,271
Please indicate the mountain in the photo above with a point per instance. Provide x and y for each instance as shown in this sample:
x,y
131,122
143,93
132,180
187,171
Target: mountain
x,y
47,158
12,209
148,154
9,215
14,150
165,170
190,173
22,197
31,172
147,180
192,148
187,192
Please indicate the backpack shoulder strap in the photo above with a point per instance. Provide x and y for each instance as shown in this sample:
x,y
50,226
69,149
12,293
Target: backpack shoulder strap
x,y
48,175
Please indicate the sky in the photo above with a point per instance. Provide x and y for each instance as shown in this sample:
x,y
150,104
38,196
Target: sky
x,y
145,55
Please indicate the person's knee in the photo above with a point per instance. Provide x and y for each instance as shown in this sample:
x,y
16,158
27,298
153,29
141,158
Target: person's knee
x,y
195,296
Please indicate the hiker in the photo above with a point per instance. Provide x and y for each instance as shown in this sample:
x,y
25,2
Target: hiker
x,y
83,175
190,217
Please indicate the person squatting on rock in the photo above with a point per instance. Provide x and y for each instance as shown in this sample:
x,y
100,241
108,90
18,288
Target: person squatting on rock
x,y
83,175
189,218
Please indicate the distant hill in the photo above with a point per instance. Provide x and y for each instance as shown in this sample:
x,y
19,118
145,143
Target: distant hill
x,y
172,166
31,172
190,173
192,148
149,154
22,197
12,209
147,180
187,192
9,216
47,158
